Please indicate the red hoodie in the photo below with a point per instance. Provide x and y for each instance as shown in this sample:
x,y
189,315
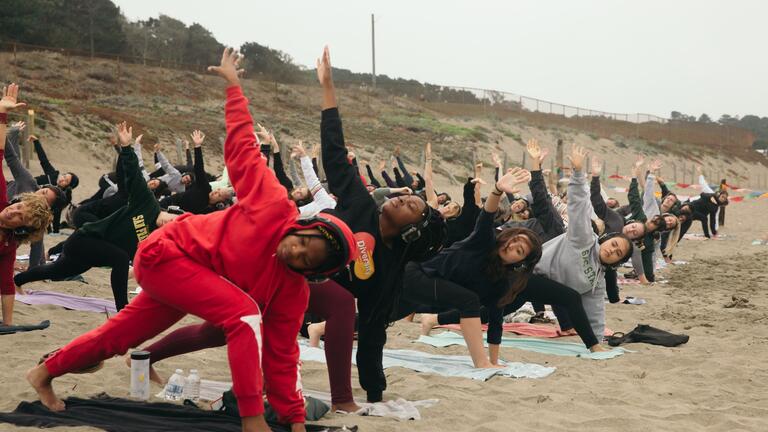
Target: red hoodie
x,y
239,243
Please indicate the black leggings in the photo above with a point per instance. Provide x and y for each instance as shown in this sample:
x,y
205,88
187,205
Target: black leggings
x,y
543,290
421,289
81,253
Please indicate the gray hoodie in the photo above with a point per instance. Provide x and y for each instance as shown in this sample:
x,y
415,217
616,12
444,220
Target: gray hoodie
x,y
573,258
172,176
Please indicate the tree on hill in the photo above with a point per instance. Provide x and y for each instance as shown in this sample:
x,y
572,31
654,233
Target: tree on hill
x,y
272,63
85,25
704,118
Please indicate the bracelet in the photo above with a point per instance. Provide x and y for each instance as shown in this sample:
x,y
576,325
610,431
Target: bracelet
x,y
498,191
3,118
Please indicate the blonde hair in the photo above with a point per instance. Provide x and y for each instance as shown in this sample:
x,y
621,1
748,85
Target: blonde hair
x,y
38,216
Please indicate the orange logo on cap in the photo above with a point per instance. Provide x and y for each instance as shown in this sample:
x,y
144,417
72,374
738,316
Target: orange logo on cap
x,y
365,243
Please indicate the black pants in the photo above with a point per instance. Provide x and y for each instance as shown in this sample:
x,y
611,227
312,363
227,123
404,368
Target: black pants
x,y
612,285
81,253
721,216
546,291
421,289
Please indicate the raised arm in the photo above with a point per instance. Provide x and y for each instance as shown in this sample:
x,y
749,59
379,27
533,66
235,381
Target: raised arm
x,y
595,195
8,102
135,185
343,179
198,138
45,164
498,165
165,164
542,205
483,233
703,182
254,184
407,178
12,157
429,188
579,232
321,199
650,205
371,177
140,157
277,160
633,195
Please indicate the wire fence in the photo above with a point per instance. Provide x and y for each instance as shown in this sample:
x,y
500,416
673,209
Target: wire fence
x,y
458,101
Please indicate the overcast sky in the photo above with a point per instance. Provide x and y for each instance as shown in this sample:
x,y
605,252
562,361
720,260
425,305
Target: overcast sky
x,y
653,56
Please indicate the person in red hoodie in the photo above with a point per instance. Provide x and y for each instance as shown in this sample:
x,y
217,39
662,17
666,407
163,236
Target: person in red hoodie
x,y
242,269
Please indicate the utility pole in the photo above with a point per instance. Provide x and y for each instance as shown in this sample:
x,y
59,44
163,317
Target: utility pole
x,y
373,51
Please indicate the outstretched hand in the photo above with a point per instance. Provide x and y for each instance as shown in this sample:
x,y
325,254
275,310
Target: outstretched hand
x,y
324,74
197,138
229,68
158,148
20,125
124,134
298,150
636,167
10,99
138,140
516,176
577,156
536,152
496,160
654,166
596,169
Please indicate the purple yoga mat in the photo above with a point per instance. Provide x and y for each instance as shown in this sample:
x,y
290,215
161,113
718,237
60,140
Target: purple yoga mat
x,y
84,304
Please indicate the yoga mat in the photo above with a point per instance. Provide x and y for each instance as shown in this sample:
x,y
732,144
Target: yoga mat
x,y
4,329
542,346
67,301
400,409
122,415
444,365
525,329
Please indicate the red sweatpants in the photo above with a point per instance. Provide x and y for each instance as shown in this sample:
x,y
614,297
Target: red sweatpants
x,y
173,286
328,300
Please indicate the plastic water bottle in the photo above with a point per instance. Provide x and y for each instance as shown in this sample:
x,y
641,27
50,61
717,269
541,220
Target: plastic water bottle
x,y
175,387
192,386
140,375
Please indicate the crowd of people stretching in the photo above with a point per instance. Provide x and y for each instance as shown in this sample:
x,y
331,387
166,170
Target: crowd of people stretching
x,y
261,256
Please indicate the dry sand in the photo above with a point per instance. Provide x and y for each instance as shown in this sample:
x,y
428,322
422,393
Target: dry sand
x,y
716,382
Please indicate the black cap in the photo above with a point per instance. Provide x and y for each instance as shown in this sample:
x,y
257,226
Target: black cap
x,y
139,355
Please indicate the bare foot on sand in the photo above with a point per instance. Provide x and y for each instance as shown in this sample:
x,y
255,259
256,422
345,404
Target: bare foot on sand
x,y
428,321
153,375
41,380
349,407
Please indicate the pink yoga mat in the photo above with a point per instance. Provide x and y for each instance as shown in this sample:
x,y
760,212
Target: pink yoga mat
x,y
84,304
525,329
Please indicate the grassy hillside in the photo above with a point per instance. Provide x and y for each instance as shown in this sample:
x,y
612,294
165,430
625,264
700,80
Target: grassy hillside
x,y
78,99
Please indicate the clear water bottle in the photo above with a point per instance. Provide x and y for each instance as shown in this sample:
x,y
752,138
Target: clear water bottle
x,y
175,387
192,386
140,375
